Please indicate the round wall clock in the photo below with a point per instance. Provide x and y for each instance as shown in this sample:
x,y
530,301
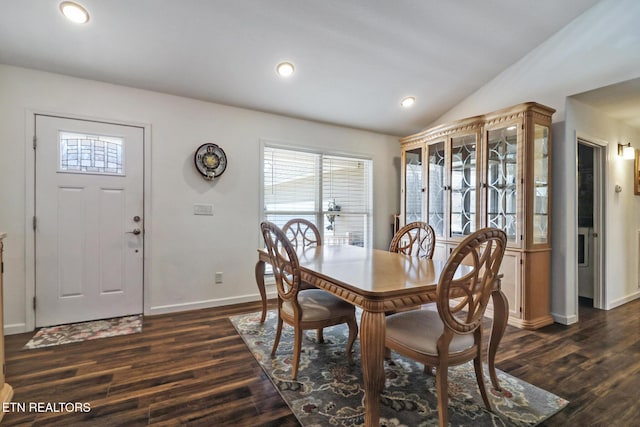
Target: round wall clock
x,y
210,161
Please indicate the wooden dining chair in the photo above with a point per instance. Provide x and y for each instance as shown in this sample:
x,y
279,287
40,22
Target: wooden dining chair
x,y
416,238
302,233
302,308
451,334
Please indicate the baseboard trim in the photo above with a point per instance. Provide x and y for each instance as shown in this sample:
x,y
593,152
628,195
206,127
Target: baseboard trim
x,y
623,300
196,305
564,320
16,328
20,328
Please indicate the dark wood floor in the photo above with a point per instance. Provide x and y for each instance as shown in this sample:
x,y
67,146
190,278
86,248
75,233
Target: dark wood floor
x,y
192,368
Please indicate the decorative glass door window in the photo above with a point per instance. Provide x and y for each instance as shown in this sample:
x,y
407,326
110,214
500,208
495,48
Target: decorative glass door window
x,y
502,190
92,154
541,176
436,195
464,170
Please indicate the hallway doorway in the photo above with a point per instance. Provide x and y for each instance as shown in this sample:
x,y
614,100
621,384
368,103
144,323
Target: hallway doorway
x,y
590,181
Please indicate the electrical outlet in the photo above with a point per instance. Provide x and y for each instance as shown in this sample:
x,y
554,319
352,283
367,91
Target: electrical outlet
x,y
218,277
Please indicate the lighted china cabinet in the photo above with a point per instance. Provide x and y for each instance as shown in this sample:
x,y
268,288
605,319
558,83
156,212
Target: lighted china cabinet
x,y
6,392
489,171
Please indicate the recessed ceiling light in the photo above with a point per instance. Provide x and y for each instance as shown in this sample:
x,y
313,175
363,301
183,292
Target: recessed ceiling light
x,y
408,101
74,12
284,69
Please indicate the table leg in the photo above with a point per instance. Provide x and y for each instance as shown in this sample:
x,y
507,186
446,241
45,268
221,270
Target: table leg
x,y
499,325
372,335
263,293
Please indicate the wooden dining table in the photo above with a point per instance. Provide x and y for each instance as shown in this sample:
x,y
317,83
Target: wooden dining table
x,y
378,282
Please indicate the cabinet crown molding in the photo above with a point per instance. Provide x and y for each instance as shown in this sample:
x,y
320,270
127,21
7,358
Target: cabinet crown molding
x,y
478,122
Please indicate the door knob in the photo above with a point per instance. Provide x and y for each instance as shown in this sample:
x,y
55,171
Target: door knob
x,y
135,231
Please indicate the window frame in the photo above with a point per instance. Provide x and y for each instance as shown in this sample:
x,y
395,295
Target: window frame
x,y
320,211
102,137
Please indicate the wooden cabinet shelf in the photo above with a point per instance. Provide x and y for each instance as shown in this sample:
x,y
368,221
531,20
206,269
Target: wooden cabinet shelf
x,y
502,161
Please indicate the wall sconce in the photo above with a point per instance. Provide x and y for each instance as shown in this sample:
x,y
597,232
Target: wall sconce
x,y
627,152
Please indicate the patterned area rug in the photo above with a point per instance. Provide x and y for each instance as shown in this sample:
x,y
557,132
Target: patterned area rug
x,y
75,332
328,391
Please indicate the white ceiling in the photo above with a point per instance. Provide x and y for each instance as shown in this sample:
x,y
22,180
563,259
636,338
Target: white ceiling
x,y
355,59
620,101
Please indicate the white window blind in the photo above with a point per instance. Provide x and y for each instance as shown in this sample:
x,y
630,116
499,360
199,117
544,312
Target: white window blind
x,y
333,192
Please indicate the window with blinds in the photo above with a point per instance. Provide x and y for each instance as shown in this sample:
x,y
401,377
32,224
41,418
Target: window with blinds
x,y
333,192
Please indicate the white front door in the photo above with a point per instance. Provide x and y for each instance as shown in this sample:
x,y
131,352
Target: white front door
x,y
88,220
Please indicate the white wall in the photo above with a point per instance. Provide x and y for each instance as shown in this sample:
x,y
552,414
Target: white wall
x,y
599,48
183,251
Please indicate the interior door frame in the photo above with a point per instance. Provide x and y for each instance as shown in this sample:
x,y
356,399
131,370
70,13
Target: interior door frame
x,y
30,199
599,211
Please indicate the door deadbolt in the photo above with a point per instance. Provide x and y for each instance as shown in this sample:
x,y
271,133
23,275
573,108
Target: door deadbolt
x,y
136,218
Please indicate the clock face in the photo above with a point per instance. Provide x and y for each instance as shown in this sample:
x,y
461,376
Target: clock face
x,y
210,160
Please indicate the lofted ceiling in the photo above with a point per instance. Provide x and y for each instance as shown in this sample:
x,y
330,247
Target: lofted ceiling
x,y
354,59
620,101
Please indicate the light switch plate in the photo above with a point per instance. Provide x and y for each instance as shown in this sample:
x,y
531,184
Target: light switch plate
x,y
200,209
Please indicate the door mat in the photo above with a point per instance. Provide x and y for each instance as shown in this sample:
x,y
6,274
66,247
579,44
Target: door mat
x,y
76,332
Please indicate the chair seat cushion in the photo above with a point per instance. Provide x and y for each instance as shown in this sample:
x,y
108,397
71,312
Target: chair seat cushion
x,y
419,330
317,304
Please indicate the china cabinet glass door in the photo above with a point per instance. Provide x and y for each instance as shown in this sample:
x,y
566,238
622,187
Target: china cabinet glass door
x,y
414,185
502,180
436,191
541,177
464,171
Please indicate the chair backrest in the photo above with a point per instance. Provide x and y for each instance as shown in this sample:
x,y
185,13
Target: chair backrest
x,y
284,261
416,238
469,277
302,233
